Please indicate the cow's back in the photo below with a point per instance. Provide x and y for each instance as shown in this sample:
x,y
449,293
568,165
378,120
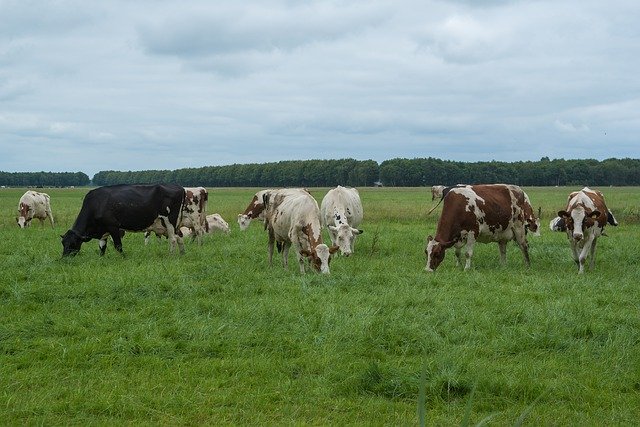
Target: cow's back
x,y
133,207
346,200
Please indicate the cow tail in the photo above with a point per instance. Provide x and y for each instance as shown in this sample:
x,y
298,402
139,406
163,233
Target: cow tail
x,y
437,204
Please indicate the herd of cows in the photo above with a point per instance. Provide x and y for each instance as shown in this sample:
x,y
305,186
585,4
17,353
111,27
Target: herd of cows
x,y
470,213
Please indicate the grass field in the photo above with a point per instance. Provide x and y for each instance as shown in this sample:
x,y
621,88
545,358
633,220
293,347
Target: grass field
x,y
216,337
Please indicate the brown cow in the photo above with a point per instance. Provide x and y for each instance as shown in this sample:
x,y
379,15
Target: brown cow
x,y
482,213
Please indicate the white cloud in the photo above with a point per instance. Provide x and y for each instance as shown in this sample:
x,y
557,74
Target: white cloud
x,y
293,79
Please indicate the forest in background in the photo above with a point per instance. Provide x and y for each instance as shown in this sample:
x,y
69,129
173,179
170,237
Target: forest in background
x,y
400,172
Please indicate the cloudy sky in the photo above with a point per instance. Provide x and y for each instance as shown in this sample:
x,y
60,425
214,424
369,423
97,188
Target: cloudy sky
x,y
98,85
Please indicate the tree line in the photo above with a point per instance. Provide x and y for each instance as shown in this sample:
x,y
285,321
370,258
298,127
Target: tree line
x,y
44,179
359,173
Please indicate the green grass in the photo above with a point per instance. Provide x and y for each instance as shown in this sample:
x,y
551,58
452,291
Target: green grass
x,y
216,337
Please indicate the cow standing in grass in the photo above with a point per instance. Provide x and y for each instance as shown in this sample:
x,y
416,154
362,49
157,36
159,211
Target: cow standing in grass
x,y
34,205
294,220
107,211
482,213
341,212
584,219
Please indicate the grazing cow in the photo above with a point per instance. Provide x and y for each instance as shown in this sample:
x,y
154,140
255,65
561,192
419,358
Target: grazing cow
x,y
341,212
106,211
214,223
194,211
294,220
256,206
436,191
584,219
482,213
558,223
34,205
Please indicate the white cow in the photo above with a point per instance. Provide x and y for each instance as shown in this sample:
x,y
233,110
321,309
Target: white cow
x,y
34,205
294,220
341,211
214,223
256,206
436,191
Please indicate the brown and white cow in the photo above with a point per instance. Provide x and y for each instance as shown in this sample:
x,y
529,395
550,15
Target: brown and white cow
x,y
584,219
341,212
256,206
34,205
482,213
294,220
194,211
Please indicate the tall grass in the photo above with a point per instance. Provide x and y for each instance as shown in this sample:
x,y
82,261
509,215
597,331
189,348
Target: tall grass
x,y
217,337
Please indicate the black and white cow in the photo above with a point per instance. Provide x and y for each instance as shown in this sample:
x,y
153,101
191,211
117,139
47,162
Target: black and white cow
x,y
107,211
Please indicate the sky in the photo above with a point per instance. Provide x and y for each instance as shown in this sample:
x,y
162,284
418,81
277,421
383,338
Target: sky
x,y
89,85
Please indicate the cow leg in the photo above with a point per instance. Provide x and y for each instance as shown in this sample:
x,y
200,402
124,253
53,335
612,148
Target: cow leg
x,y
584,252
471,240
115,235
50,215
521,239
502,246
285,255
102,244
147,234
270,245
301,261
592,263
458,256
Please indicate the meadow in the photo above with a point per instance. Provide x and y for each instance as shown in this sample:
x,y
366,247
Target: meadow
x,y
216,337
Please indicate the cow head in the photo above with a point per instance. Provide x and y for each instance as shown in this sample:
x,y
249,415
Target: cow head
x,y
344,235
244,221
71,242
215,222
435,254
320,257
24,214
577,220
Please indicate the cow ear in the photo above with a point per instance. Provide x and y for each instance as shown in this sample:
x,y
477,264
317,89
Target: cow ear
x,y
334,249
563,214
305,252
594,214
429,238
332,227
265,200
356,231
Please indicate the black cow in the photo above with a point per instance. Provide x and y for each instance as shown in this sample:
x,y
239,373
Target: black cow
x,y
106,211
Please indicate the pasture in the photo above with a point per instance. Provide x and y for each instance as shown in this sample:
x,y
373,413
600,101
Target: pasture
x,y
217,337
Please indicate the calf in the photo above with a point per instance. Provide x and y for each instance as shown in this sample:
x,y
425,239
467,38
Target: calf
x,y
584,219
214,223
34,205
482,213
106,211
294,220
341,212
